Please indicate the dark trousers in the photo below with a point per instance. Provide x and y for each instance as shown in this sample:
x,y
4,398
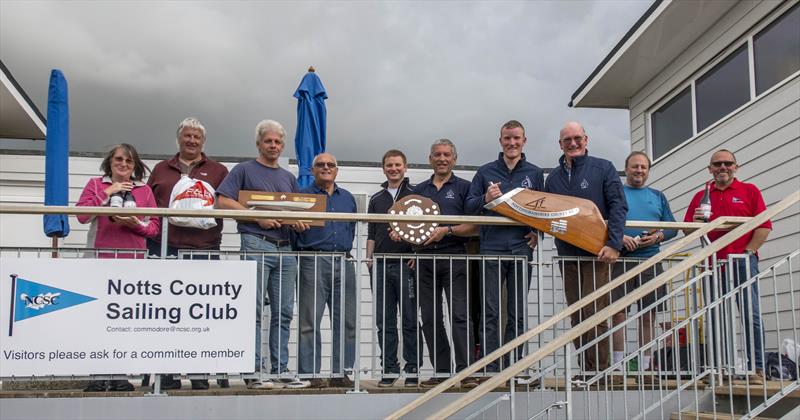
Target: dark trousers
x,y
514,276
580,279
448,276
395,290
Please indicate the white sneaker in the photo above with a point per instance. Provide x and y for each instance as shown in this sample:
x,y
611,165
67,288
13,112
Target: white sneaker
x,y
257,384
298,383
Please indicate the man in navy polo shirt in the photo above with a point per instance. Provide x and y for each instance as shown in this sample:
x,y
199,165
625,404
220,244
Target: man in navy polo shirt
x,y
266,236
321,279
595,179
446,275
511,170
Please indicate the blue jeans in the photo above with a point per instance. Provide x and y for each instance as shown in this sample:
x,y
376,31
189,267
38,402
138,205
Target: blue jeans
x,y
749,305
394,288
321,286
515,277
279,273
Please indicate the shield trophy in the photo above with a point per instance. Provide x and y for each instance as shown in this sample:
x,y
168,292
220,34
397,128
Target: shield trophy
x,y
415,233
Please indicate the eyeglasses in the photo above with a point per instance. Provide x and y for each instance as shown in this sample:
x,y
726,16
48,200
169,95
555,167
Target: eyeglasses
x,y
321,165
120,159
576,139
718,164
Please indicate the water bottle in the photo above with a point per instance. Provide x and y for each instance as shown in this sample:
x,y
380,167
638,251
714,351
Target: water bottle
x,y
115,200
129,201
705,203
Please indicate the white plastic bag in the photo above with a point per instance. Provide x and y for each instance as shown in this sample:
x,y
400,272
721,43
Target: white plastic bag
x,y
192,194
790,349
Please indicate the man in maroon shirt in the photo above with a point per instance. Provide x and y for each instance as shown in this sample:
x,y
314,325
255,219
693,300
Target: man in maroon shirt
x,y
190,160
731,197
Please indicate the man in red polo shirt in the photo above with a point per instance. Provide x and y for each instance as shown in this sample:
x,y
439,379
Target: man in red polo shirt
x,y
731,197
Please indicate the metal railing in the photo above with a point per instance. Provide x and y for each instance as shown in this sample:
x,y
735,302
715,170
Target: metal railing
x,y
602,376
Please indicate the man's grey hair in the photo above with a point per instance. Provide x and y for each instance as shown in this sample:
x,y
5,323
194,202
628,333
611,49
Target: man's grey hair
x,y
445,142
314,162
191,122
266,126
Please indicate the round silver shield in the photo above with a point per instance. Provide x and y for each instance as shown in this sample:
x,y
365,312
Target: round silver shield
x,y
415,233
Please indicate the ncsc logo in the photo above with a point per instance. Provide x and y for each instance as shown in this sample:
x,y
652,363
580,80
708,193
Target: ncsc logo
x,y
39,301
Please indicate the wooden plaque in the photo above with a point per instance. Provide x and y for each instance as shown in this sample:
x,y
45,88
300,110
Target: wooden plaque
x,y
573,220
415,233
282,201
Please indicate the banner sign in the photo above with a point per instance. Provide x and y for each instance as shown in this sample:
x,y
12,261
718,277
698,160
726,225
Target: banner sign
x,y
125,316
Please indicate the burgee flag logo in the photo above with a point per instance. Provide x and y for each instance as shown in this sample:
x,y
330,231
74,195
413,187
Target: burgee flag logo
x,y
30,299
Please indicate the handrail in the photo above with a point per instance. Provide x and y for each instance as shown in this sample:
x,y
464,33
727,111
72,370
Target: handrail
x,y
732,222
598,317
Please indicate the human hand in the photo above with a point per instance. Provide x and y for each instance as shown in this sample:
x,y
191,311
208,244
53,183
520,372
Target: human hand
x,y
698,215
608,255
493,192
269,223
300,226
393,235
116,187
127,221
410,264
630,243
438,234
649,240
533,239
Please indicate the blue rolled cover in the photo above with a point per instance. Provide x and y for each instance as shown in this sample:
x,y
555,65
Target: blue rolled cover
x,y
56,178
309,139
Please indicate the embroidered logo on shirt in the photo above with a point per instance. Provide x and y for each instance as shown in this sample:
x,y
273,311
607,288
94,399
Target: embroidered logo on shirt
x,y
450,194
526,183
584,184
204,173
737,200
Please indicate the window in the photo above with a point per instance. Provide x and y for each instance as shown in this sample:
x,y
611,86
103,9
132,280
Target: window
x,y
672,123
776,50
723,88
767,56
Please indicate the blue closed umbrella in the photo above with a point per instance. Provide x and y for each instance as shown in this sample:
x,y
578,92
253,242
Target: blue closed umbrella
x,y
309,139
56,175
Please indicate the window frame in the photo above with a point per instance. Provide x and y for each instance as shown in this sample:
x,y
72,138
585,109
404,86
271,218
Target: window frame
x,y
746,39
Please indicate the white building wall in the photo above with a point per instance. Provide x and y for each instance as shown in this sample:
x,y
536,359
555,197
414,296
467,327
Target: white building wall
x,y
764,135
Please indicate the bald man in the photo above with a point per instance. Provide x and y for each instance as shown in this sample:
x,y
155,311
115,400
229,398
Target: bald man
x,y
595,179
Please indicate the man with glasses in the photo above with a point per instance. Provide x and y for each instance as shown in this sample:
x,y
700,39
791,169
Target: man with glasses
x,y
260,236
511,170
595,179
322,282
731,197
192,162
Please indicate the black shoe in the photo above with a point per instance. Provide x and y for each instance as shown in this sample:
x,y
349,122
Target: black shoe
x,y
146,379
96,386
318,383
387,382
120,386
168,383
199,384
223,383
411,382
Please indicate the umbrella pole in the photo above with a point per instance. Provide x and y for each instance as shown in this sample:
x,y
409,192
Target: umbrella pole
x,y
55,247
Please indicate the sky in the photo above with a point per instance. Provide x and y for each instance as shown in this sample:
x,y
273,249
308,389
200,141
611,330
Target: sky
x,y
399,74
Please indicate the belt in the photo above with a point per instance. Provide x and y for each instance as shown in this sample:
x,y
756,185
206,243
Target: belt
x,y
346,254
277,242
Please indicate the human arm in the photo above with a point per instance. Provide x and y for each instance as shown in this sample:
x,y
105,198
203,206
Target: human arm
x,y
759,237
462,230
93,195
617,207
476,195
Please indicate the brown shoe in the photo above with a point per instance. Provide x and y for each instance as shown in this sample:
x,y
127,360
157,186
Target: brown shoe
x,y
757,378
470,382
343,382
648,378
431,383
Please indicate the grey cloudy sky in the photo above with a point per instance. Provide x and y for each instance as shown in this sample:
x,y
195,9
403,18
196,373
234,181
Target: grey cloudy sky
x,y
398,74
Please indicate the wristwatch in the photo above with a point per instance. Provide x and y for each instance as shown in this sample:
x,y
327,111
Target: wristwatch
x,y
749,252
449,231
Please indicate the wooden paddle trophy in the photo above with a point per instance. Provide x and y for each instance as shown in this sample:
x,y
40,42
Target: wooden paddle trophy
x,y
573,220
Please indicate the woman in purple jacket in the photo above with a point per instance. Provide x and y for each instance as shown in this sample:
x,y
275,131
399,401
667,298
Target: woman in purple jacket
x,y
120,186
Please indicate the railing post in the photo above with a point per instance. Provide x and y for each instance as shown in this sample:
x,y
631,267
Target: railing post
x,y
568,379
357,355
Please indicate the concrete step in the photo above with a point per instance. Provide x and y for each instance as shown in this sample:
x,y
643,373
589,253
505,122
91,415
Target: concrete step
x,y
709,415
742,389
